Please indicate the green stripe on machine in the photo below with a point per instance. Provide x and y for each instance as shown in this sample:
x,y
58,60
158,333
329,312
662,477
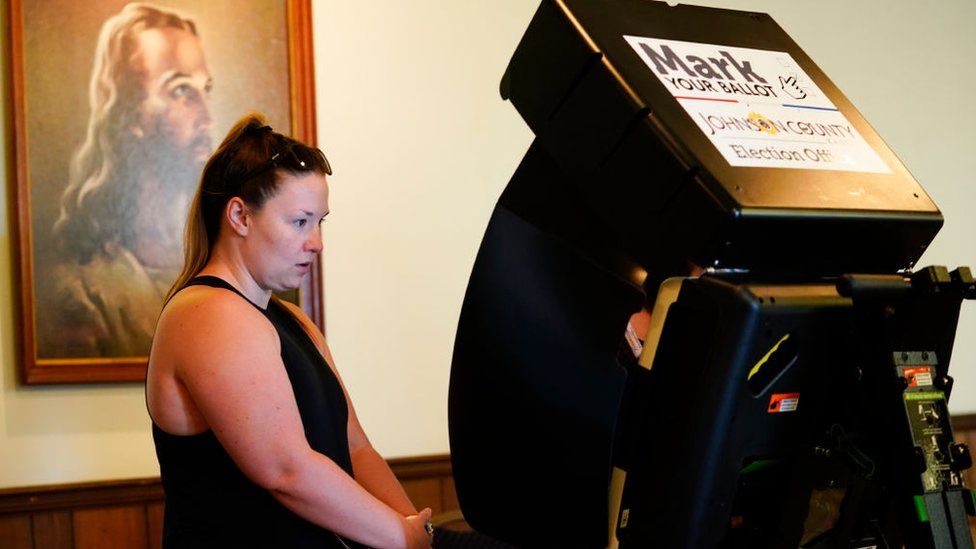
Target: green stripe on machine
x,y
923,514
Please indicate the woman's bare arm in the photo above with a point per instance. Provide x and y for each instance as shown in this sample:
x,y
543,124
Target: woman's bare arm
x,y
371,470
233,372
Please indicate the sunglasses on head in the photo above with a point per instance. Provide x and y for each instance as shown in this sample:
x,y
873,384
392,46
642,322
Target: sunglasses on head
x,y
287,158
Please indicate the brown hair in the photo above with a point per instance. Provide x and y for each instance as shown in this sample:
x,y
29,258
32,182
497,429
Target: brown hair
x,y
249,164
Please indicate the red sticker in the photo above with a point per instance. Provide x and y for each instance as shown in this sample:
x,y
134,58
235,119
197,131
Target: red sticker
x,y
783,402
918,375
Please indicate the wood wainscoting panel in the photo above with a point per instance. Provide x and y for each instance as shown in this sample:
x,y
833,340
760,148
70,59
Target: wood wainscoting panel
x,y
52,530
964,430
100,527
154,522
15,531
449,494
425,493
425,479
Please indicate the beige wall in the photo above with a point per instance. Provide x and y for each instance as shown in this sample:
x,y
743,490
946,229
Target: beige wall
x,y
422,145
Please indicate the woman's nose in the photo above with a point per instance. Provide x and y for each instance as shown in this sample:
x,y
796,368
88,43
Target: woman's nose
x,y
314,244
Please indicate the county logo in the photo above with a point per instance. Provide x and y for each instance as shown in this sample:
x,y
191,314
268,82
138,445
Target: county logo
x,y
764,124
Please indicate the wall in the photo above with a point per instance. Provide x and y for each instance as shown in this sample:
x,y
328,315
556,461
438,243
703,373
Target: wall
x,y
422,145
410,116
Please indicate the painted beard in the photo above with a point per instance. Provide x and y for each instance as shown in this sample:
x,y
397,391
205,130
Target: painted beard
x,y
165,177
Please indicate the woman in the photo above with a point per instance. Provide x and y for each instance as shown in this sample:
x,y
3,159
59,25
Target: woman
x,y
257,441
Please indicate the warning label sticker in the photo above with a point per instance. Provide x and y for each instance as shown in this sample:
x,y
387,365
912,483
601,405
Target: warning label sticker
x,y
758,107
783,402
917,376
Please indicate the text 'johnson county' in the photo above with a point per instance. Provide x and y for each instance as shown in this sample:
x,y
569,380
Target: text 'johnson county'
x,y
761,124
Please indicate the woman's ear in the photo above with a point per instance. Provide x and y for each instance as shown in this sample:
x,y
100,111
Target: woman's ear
x,y
238,216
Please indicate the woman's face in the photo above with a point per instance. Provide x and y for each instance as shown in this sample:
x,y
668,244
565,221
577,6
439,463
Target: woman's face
x,y
285,234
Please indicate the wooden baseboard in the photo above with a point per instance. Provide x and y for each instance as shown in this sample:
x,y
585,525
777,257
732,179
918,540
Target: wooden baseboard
x,y
964,422
86,494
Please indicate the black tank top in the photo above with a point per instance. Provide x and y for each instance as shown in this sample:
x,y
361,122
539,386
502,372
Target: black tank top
x,y
209,501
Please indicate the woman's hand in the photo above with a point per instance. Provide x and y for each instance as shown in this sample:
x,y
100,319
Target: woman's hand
x,y
415,530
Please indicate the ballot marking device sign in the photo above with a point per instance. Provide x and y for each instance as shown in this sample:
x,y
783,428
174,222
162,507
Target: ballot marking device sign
x,y
758,107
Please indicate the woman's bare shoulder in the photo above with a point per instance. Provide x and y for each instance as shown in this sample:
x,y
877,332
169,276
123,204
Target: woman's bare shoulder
x,y
217,312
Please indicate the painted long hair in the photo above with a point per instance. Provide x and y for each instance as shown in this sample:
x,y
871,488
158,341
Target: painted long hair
x,y
96,202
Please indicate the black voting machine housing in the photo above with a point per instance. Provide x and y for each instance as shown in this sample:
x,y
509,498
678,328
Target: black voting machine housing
x,y
619,190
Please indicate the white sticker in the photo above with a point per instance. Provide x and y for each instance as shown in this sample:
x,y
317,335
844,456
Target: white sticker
x,y
789,404
923,379
757,107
